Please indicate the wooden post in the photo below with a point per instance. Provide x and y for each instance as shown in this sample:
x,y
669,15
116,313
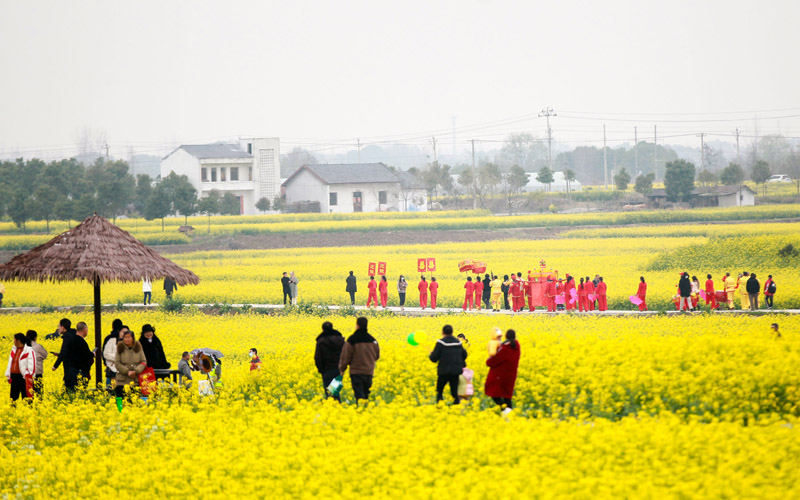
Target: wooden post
x,y
98,336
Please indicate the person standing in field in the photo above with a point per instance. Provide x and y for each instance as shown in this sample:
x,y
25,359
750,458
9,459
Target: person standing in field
x,y
469,294
569,300
287,293
711,294
769,291
487,291
477,289
741,285
550,294
685,293
360,353
434,289
451,356
372,292
80,359
497,293
327,355
110,353
169,286
730,289
67,333
753,289
423,292
529,291
129,361
582,299
255,361
383,289
402,286
775,331
153,350
40,353
21,368
590,294
351,288
642,293
602,297
293,287
147,289
505,288
502,375
695,292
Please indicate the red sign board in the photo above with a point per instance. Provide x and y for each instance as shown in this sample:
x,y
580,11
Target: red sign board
x,y
432,264
371,269
382,268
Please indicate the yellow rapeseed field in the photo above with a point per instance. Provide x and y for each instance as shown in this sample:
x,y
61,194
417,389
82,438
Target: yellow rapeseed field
x,y
683,407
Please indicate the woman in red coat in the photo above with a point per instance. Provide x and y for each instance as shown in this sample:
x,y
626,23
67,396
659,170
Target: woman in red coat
x,y
642,293
590,291
583,300
383,289
602,300
503,372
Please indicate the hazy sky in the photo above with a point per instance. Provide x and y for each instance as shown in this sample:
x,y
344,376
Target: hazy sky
x,y
313,73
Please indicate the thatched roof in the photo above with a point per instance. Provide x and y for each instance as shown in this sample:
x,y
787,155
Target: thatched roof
x,y
93,249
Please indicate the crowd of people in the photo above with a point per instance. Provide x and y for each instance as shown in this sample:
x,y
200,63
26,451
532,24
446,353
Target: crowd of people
x,y
746,285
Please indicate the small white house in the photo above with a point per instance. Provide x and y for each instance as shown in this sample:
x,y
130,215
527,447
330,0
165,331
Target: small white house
x,y
559,183
250,171
356,187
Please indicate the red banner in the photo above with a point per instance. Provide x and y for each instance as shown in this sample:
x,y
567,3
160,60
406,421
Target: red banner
x,y
432,264
422,265
371,271
382,268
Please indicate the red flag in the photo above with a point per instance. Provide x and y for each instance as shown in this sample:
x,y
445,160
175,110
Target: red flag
x,y
422,265
432,264
371,269
382,268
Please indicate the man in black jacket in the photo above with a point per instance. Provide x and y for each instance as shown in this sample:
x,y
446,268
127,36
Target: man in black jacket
x,y
351,288
169,286
487,290
327,354
79,359
451,356
67,333
753,288
685,292
287,292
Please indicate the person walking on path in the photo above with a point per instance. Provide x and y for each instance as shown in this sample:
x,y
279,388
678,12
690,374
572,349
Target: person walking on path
x,y
753,289
40,353
402,286
129,361
730,289
383,290
327,355
147,289
451,356
351,288
469,294
602,295
434,289
293,287
423,292
582,298
21,368
360,353
153,350
477,288
372,296
711,294
80,359
769,291
169,286
570,297
685,293
503,372
287,293
497,293
487,291
642,293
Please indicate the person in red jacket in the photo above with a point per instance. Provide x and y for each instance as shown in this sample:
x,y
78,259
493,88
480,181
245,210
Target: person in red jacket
x,y
477,290
602,300
372,286
423,292
569,302
550,294
582,299
503,372
434,289
517,292
590,290
469,294
711,294
383,289
642,293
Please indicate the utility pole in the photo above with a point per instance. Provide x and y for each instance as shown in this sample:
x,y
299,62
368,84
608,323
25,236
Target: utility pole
x,y
106,148
635,152
358,145
547,113
736,133
701,135
655,150
454,138
474,179
605,160
435,160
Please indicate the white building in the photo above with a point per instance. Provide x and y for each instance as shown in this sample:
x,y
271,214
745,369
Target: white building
x,y
249,171
559,183
356,187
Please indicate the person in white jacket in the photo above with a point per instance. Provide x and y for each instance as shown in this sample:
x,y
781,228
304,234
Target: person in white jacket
x,y
21,366
147,288
110,353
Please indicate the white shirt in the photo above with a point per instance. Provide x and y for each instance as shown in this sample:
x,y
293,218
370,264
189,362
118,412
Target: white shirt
x,y
146,286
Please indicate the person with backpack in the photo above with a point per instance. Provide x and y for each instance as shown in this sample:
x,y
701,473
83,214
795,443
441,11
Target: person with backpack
x,y
327,354
451,356
360,353
769,291
753,289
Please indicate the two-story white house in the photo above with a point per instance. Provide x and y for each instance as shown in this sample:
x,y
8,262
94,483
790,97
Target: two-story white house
x,y
356,187
250,170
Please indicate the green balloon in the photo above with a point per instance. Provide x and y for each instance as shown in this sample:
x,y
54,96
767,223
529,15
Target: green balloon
x,y
411,339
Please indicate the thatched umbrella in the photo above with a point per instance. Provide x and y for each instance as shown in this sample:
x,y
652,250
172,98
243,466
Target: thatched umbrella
x,y
96,251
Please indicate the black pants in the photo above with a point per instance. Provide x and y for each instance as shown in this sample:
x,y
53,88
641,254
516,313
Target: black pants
x,y
38,385
505,301
442,381
768,300
18,387
327,378
402,299
486,299
74,379
361,385
503,401
352,298
286,295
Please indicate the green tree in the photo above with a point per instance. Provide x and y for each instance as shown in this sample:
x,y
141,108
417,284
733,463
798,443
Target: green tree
x,y
706,178
732,174
230,205
210,205
144,189
517,178
679,180
180,194
760,173
489,176
158,206
545,176
262,204
622,179
41,205
644,184
569,178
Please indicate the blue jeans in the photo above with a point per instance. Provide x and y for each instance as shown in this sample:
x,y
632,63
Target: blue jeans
x,y
147,297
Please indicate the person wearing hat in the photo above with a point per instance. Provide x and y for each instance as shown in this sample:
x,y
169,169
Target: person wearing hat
x,y
153,350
